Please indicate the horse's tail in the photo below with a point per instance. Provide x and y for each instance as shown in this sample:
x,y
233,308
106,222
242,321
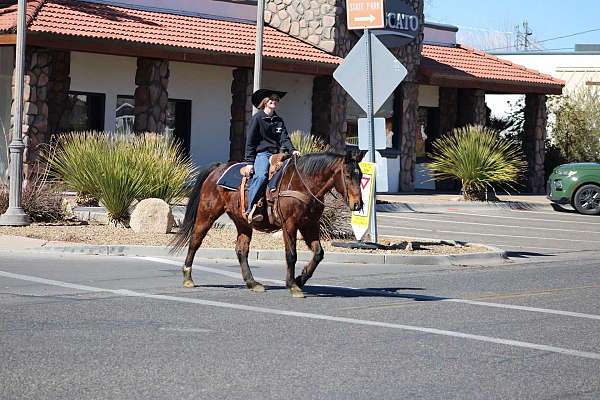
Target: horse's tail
x,y
183,236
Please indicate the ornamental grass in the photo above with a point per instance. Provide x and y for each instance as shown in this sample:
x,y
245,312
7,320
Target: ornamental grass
x,y
306,143
118,169
479,158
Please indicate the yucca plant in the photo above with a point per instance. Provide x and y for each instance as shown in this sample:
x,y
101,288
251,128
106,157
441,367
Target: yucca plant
x,y
477,156
306,143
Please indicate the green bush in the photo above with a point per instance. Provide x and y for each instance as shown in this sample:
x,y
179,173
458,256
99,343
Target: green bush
x,y
118,169
479,158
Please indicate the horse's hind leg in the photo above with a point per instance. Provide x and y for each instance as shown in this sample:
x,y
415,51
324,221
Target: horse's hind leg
x,y
311,237
242,247
204,221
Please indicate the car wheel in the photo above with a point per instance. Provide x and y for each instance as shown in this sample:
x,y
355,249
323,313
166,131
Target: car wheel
x,y
587,199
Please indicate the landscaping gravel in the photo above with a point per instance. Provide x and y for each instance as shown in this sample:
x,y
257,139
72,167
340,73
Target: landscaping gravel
x,y
218,237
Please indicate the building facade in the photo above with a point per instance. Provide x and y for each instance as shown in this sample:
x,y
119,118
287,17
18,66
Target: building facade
x,y
95,65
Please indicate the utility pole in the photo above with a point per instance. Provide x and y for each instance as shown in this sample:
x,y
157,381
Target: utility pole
x,y
522,38
15,215
260,23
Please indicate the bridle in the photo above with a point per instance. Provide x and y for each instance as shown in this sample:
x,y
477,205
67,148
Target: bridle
x,y
340,171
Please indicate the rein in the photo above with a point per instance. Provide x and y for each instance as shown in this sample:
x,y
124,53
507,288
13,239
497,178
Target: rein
x,y
315,197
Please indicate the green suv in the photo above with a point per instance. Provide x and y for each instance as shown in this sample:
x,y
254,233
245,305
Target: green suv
x,y
577,184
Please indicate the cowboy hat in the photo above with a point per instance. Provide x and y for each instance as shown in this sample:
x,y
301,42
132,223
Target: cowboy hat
x,y
260,94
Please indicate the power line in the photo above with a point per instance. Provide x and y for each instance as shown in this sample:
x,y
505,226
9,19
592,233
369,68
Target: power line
x,y
547,40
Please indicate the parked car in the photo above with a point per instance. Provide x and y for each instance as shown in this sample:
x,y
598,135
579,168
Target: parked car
x,y
577,184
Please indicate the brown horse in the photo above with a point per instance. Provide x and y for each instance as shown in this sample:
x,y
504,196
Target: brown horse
x,y
298,207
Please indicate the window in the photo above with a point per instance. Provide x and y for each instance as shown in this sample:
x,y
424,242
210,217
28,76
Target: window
x,y
179,118
87,111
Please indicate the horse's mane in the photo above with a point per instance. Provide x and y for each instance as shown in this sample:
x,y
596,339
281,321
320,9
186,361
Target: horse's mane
x,y
315,163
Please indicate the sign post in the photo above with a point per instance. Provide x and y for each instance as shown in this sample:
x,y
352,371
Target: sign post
x,y
369,94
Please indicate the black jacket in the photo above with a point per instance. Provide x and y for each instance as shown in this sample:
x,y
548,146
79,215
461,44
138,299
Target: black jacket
x,y
266,133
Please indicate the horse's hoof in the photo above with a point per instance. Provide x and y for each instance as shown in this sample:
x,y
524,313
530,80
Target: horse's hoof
x,y
258,288
188,283
296,292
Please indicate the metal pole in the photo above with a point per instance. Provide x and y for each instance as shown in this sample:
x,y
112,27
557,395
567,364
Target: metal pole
x,y
260,23
372,219
15,215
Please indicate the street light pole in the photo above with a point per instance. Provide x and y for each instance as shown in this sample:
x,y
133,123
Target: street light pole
x,y
260,23
15,215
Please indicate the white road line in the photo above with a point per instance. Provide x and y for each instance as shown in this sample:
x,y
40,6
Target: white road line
x,y
380,292
494,225
491,244
523,218
487,234
241,307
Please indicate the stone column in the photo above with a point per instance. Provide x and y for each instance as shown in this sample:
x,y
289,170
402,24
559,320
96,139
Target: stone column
x,y
536,115
58,92
151,95
471,107
408,156
448,109
241,112
35,106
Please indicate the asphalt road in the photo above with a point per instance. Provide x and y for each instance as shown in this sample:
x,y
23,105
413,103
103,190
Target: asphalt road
x,y
522,233
83,327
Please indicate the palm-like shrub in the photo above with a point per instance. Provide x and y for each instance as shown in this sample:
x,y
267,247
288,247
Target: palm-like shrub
x,y
118,169
477,156
306,143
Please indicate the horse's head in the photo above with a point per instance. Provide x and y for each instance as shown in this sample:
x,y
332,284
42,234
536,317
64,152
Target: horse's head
x,y
348,180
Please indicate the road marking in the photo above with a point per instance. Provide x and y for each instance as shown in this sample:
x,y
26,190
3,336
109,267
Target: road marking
x,y
273,311
487,234
494,225
491,244
386,293
526,219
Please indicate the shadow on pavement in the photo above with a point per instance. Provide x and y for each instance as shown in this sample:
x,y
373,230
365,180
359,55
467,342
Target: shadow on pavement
x,y
526,254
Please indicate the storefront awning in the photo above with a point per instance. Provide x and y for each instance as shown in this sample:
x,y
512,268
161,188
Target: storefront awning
x,y
464,67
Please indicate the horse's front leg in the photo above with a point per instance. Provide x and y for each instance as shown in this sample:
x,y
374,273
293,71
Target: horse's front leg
x,y
291,256
242,247
311,237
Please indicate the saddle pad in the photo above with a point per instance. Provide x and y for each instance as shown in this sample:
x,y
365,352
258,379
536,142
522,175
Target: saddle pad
x,y
232,178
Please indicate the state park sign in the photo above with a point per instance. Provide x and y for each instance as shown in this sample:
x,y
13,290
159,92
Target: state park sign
x,y
364,14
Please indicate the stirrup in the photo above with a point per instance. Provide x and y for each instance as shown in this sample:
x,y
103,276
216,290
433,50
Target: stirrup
x,y
252,217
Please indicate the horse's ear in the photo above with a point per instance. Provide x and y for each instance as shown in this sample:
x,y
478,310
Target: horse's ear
x,y
355,154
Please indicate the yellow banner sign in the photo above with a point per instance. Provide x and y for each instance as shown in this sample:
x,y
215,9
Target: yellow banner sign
x,y
360,219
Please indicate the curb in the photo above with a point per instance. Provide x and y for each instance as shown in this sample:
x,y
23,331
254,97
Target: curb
x,y
494,256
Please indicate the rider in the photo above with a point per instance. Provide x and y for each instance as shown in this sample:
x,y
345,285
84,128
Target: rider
x,y
267,134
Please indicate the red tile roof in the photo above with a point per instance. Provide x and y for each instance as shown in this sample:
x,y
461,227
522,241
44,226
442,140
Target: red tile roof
x,y
103,21
464,63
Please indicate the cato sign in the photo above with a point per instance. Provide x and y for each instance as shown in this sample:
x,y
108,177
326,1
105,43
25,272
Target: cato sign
x,y
364,14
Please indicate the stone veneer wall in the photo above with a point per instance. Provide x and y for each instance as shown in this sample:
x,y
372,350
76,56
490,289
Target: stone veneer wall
x,y
471,107
151,95
241,111
58,93
535,128
410,56
448,109
35,105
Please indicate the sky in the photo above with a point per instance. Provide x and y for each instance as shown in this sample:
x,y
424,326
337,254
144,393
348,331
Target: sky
x,y
490,24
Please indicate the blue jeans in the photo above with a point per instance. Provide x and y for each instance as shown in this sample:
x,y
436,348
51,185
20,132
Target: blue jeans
x,y
259,179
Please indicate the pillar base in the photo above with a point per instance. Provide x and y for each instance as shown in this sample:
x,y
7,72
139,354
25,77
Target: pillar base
x,y
15,217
